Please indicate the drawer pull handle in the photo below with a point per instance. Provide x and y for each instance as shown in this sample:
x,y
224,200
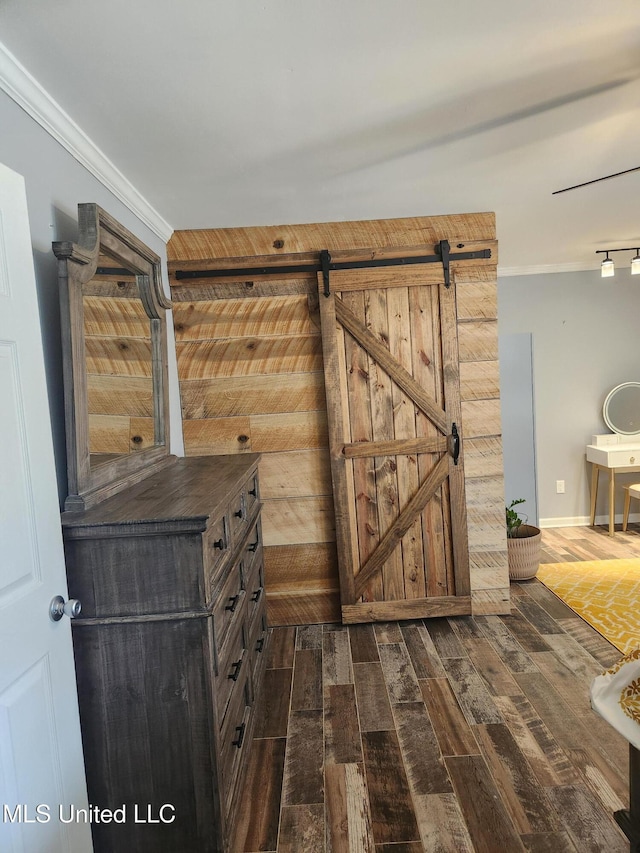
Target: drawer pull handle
x,y
260,644
233,602
253,492
256,595
219,543
240,738
236,667
253,546
239,513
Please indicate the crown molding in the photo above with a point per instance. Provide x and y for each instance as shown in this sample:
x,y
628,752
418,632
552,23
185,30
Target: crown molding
x,y
544,269
25,90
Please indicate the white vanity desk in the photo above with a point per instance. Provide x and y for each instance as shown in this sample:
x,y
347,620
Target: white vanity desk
x,y
617,454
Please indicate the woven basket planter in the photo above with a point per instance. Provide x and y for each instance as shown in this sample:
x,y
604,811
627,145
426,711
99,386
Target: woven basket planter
x,y
523,553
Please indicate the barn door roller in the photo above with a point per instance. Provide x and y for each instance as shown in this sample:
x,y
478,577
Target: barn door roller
x,y
445,255
325,263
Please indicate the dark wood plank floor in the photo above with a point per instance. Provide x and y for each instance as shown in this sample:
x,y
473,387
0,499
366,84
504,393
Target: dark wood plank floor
x,y
443,735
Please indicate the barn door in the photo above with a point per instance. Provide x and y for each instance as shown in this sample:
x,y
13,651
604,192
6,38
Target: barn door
x,y
392,381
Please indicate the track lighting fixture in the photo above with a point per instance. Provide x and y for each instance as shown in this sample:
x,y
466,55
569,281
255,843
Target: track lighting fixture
x,y
607,267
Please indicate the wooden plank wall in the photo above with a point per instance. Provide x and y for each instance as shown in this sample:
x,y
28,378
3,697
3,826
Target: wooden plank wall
x,y
250,370
477,310
119,383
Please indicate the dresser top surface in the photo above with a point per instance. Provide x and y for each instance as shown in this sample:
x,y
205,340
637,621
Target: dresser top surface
x,y
194,487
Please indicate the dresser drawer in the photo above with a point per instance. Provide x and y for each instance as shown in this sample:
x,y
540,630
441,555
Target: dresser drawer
x,y
228,606
234,740
252,494
232,667
614,455
253,546
254,585
623,458
238,515
258,646
216,547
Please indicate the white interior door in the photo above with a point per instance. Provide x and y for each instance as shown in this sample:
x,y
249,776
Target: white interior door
x,y
41,766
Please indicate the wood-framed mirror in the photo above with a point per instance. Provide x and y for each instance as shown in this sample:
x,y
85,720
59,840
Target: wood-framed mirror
x,y
114,342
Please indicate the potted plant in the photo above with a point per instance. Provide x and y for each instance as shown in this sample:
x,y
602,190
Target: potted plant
x,y
523,544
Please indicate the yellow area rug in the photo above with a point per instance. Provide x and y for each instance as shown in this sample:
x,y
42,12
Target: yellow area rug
x,y
606,593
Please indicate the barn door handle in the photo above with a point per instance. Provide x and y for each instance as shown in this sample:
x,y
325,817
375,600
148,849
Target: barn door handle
x,y
454,444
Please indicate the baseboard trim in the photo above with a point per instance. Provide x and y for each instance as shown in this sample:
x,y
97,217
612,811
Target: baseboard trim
x,y
34,99
584,520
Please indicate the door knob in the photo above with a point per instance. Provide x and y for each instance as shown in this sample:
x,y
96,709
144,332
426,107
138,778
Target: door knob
x,y
59,607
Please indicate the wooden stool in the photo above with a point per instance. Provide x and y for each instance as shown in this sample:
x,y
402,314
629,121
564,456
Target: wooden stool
x,y
632,491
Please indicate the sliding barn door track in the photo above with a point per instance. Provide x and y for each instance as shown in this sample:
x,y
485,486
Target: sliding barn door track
x,y
443,255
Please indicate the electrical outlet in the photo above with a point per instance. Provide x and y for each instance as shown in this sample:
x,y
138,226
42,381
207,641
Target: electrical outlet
x,y
560,487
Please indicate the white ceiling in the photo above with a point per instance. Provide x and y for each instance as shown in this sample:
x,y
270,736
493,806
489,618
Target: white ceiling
x,y
252,112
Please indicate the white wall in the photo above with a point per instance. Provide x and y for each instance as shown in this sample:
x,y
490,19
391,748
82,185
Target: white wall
x,y
518,423
585,341
56,183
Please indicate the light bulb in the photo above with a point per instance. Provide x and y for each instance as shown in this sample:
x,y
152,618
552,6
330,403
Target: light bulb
x,y
607,268
635,264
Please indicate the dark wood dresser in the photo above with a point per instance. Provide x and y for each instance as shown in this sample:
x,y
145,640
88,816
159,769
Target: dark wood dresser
x,y
170,650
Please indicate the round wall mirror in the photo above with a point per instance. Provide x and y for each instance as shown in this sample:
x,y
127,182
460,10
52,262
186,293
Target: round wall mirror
x,y
621,409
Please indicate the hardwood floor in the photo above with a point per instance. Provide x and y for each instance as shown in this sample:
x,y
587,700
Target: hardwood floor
x,y
589,543
447,735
